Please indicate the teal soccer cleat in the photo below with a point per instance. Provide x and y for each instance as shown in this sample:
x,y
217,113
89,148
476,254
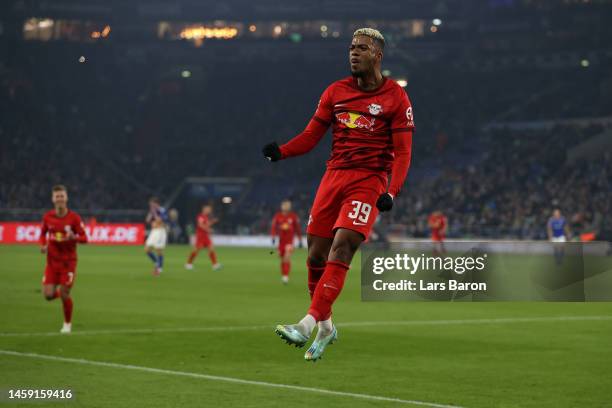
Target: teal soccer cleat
x,y
291,335
315,351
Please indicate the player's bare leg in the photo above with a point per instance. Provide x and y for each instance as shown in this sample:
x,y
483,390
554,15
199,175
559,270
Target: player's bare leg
x,y
318,250
51,292
67,306
345,244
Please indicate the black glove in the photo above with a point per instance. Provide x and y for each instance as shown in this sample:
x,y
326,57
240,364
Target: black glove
x,y
272,152
384,202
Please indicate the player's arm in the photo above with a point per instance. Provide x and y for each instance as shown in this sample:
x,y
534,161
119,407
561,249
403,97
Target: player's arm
x,y
402,126
44,229
203,225
79,229
309,138
445,228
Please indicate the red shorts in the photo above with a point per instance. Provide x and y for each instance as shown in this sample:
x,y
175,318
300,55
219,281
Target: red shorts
x,y
59,272
284,247
203,241
437,237
346,198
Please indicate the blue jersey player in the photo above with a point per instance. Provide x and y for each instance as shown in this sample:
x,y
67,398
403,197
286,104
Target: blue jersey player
x,y
157,218
558,232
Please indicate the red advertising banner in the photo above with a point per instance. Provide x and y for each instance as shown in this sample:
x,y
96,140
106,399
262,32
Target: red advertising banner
x,y
100,233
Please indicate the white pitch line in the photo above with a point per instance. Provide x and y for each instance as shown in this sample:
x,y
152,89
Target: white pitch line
x,y
225,379
346,324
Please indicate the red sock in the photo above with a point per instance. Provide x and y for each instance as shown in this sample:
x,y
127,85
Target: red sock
x,y
213,257
67,303
285,268
314,274
192,256
327,290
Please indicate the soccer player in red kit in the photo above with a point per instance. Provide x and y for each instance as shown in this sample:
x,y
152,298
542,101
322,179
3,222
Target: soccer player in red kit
x,y
286,226
372,125
61,230
204,223
438,224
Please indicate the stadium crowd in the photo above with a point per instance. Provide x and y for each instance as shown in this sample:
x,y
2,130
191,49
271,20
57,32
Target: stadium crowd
x,y
64,121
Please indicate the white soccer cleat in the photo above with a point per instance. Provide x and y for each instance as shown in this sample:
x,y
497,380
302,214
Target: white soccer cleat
x,y
285,279
66,328
189,266
217,267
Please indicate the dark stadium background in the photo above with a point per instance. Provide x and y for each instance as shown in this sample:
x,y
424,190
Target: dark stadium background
x,y
512,101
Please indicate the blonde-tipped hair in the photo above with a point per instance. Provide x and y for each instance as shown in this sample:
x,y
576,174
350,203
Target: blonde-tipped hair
x,y
372,33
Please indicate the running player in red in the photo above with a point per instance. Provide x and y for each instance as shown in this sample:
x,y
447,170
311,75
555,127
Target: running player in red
x,y
438,224
60,232
204,223
285,225
372,124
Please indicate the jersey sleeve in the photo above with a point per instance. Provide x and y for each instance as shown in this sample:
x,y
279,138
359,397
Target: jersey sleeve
x,y
79,229
403,118
402,126
325,108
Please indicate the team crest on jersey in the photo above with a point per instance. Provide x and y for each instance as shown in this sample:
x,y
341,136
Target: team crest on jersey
x,y
354,120
374,109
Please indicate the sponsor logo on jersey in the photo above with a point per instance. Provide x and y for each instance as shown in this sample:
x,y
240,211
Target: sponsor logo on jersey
x,y
374,109
355,120
409,116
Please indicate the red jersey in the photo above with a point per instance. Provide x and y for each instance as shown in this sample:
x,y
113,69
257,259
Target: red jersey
x,y
202,232
437,223
370,129
286,226
54,231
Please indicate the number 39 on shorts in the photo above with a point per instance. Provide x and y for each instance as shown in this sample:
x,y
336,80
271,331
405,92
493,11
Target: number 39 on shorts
x,y
361,211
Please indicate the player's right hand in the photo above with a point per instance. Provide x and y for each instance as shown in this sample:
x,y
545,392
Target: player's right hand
x,y
43,249
272,152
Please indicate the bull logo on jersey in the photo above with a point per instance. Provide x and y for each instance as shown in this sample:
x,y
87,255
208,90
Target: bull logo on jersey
x,y
374,109
354,120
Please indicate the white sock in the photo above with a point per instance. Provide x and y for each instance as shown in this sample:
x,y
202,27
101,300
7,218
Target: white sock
x,y
325,327
306,325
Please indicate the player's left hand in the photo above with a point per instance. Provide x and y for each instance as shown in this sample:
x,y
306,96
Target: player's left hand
x,y
384,202
272,152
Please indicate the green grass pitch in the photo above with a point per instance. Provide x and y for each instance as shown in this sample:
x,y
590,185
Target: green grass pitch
x,y
474,363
